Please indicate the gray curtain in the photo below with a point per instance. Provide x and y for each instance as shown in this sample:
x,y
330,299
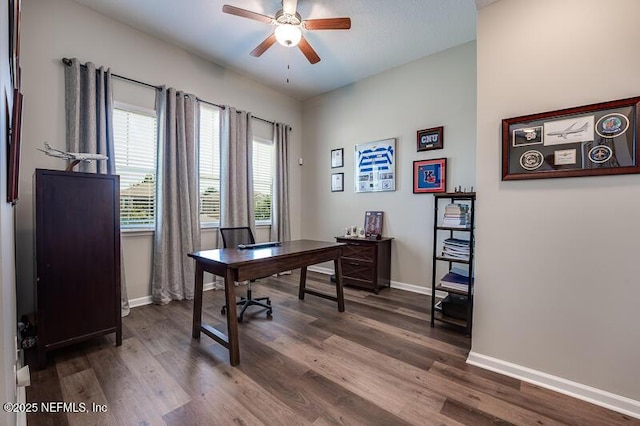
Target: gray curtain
x,y
236,169
89,121
280,228
177,218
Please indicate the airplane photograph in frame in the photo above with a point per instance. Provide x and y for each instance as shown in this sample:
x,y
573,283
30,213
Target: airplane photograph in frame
x,y
589,140
569,131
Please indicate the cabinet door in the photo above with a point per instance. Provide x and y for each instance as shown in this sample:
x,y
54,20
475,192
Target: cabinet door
x,y
77,256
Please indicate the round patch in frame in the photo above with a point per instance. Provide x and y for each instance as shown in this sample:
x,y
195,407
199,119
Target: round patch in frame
x,y
600,154
612,125
531,160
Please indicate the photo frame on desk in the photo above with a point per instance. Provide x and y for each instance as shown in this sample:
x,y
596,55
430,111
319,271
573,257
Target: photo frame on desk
x,y
590,140
373,223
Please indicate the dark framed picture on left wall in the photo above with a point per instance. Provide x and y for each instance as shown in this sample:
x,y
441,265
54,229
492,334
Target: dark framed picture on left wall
x,y
15,137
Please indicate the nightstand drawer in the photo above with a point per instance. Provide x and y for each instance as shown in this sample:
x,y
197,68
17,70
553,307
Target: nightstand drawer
x,y
355,269
365,252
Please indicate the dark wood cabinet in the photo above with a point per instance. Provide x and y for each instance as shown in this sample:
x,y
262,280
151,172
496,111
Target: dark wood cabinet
x,y
77,243
366,263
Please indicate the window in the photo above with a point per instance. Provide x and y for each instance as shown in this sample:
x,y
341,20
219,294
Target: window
x,y
262,179
209,161
209,165
135,135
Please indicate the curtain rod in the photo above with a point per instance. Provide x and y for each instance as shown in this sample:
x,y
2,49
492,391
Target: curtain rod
x,y
67,62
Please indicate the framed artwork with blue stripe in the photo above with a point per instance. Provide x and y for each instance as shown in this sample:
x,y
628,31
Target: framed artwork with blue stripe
x,y
375,166
429,176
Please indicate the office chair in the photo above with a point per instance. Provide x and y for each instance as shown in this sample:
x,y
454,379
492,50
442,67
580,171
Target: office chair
x,y
231,237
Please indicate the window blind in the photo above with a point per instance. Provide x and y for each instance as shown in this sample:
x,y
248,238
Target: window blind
x,y
135,135
262,179
209,165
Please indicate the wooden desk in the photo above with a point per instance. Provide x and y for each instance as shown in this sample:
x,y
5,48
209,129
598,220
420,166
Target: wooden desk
x,y
240,265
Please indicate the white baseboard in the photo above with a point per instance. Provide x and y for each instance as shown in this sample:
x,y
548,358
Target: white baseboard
x,y
146,300
394,284
596,396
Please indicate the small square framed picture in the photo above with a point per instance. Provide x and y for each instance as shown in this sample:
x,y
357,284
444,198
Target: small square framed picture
x,y
337,182
429,139
337,158
429,176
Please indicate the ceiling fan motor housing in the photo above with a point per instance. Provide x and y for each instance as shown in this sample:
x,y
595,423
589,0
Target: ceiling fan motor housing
x,y
287,18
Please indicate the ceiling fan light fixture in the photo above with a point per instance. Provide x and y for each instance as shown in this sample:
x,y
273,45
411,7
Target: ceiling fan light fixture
x,y
288,35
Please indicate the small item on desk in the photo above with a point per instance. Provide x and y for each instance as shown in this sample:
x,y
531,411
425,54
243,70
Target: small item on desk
x,y
259,245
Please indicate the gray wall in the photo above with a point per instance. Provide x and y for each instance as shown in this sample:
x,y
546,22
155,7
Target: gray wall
x,y
53,29
439,90
557,259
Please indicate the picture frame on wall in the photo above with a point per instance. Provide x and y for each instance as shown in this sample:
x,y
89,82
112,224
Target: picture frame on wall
x,y
337,158
590,140
429,176
430,139
13,168
375,166
337,182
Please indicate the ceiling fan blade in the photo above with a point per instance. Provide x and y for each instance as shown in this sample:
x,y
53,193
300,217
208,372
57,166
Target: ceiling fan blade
x,y
243,13
289,6
327,24
262,47
308,51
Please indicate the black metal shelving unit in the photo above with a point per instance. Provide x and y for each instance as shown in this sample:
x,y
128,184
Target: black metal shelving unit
x,y
437,315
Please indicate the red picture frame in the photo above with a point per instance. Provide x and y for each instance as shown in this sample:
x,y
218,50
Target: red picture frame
x,y
430,176
13,171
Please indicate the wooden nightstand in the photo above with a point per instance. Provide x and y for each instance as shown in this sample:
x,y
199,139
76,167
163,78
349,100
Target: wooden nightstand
x,y
366,262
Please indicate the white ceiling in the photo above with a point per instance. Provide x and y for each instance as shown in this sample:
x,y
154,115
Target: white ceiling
x,y
384,34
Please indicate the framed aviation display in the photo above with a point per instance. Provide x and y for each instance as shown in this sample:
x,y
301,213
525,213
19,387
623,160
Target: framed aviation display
x,y
597,139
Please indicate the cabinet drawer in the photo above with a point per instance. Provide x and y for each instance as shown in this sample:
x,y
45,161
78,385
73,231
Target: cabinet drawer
x,y
354,282
359,270
359,251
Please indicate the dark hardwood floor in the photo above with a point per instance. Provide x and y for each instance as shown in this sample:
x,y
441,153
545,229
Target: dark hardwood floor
x,y
378,363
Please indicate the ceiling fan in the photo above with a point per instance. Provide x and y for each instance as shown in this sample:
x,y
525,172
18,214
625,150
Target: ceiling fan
x,y
289,26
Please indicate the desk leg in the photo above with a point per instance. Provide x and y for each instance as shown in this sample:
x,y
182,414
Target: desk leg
x,y
197,302
232,318
303,282
337,263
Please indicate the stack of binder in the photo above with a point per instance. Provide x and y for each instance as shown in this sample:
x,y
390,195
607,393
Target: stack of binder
x,y
455,281
455,248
